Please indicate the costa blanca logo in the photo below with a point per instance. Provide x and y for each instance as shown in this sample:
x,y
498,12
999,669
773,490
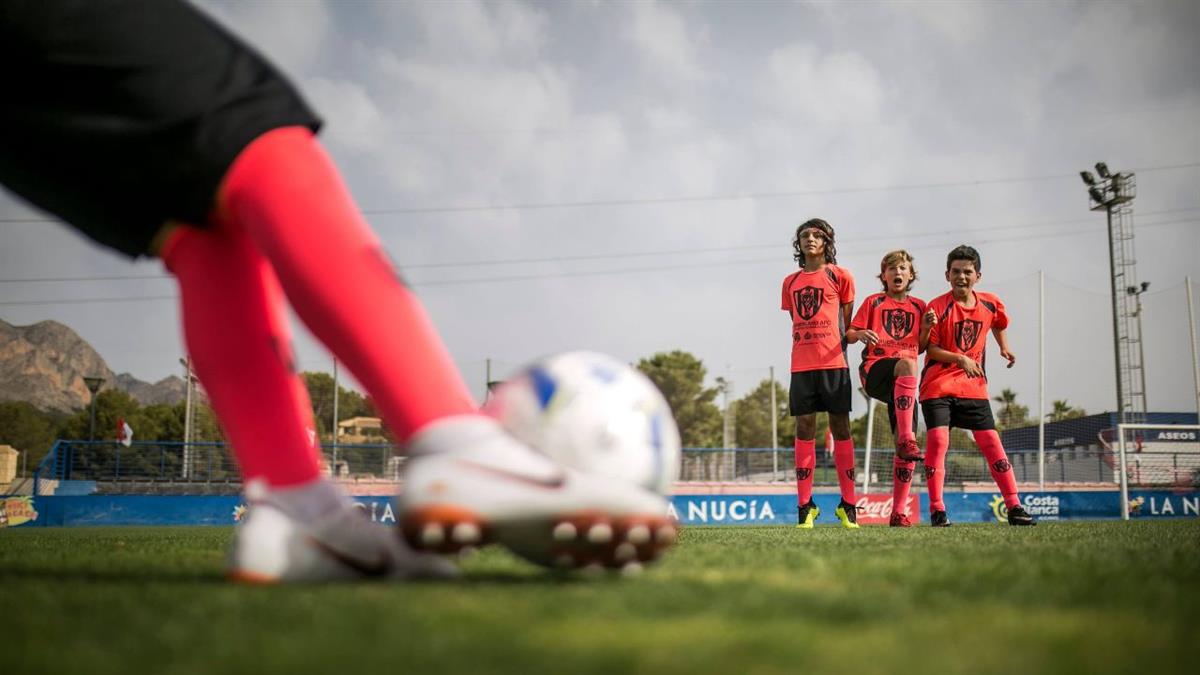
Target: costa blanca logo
x,y
1046,507
998,508
808,301
898,323
966,333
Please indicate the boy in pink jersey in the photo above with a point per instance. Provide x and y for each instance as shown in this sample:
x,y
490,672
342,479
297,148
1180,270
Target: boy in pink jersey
x,y
894,330
819,298
954,382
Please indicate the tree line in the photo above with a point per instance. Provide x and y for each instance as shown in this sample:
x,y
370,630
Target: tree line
x,y
680,376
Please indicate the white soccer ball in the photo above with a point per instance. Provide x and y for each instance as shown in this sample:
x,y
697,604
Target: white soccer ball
x,y
593,413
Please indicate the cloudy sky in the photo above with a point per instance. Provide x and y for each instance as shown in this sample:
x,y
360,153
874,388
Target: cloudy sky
x,y
626,176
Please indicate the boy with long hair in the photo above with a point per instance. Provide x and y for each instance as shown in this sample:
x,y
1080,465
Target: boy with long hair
x,y
819,298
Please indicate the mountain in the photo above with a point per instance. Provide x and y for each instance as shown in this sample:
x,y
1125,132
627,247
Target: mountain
x,y
45,364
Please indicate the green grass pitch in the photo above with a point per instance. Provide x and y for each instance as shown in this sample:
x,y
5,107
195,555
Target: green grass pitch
x,y
1104,597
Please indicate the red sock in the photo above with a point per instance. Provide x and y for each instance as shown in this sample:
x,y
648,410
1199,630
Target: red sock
x,y
806,461
289,198
235,324
998,464
843,459
937,442
902,475
904,393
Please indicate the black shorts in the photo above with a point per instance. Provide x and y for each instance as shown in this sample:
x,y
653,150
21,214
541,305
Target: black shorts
x,y
820,391
120,115
974,414
880,383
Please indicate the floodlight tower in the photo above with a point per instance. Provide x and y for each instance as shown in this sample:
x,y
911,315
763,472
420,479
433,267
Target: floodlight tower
x,y
1113,193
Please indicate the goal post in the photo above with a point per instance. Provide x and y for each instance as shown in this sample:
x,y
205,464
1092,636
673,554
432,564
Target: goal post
x,y
1155,456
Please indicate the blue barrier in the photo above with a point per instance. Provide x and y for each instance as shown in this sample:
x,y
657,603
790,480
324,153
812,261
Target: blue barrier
x,y
689,509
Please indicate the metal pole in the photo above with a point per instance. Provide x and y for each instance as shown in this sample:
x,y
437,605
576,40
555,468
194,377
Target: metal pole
x,y
92,426
775,425
1112,268
334,469
1041,380
187,418
1124,478
1192,330
867,443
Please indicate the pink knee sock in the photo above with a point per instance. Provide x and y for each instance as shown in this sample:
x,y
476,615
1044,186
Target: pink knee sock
x,y
843,459
904,393
902,475
286,194
937,442
998,464
235,324
806,461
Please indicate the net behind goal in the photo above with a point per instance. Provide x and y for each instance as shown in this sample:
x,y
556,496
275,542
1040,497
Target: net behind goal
x,y
1154,456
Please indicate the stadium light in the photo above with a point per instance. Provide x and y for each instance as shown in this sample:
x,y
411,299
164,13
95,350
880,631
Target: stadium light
x,y
1097,194
1102,169
93,385
1088,178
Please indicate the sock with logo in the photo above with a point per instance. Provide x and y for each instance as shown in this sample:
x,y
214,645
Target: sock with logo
x,y
998,464
236,328
904,393
286,194
806,461
843,459
902,475
937,442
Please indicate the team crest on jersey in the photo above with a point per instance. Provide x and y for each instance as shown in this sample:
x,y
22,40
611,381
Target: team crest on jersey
x,y
898,323
966,333
808,301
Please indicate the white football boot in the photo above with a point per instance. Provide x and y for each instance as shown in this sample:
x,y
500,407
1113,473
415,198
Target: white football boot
x,y
469,483
270,546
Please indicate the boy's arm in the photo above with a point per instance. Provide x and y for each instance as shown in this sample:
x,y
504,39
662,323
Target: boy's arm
x,y
963,361
928,321
847,310
1002,340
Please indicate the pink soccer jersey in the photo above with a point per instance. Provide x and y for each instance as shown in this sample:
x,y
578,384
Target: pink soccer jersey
x,y
814,300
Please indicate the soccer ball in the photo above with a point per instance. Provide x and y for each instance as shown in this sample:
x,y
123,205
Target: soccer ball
x,y
593,413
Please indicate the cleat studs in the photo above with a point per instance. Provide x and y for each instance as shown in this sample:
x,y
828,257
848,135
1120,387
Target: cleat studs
x,y
600,533
631,569
638,535
432,534
625,552
465,533
594,569
565,531
665,534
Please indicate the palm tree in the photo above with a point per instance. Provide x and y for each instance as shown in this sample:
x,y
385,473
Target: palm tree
x,y
1011,414
1064,411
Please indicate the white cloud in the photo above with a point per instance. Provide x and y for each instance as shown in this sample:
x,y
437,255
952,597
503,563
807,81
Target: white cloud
x,y
669,46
